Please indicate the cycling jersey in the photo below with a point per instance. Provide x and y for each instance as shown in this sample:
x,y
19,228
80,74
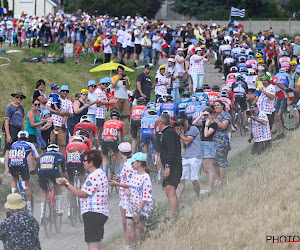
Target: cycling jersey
x,y
51,161
249,79
74,153
213,96
229,61
229,82
137,112
253,63
239,89
190,108
284,62
235,74
171,107
87,141
147,126
87,126
19,152
201,96
182,102
198,112
227,103
284,78
111,128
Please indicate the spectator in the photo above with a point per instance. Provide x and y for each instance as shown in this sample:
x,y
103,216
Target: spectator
x,y
170,154
78,52
120,38
40,94
157,41
92,96
260,129
121,84
144,84
96,214
173,51
221,140
296,49
138,35
147,48
19,230
13,122
107,47
192,159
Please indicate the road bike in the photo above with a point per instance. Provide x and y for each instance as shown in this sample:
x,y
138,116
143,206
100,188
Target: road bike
x,y
22,186
290,117
111,172
75,210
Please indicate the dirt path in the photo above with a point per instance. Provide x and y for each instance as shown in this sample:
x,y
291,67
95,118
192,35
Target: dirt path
x,y
73,238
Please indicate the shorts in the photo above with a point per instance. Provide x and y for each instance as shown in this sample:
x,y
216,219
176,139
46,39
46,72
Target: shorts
x,y
1,39
138,49
129,50
208,150
146,140
259,147
123,106
93,226
174,178
90,36
52,174
190,169
221,156
135,125
209,43
32,138
119,47
280,104
13,130
156,53
97,48
92,118
71,167
109,144
242,101
77,56
99,122
157,141
114,49
59,134
24,172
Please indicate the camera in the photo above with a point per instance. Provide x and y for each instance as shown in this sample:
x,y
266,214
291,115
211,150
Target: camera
x,y
179,123
248,113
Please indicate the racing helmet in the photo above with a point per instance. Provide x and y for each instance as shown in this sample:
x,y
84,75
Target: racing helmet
x,y
169,98
160,100
239,77
285,53
206,86
77,138
224,94
225,87
249,65
233,69
52,148
252,72
166,112
243,70
186,94
258,55
261,68
115,113
215,88
243,51
220,37
250,57
152,111
260,61
282,70
141,101
152,104
242,59
23,135
245,46
83,133
194,98
236,46
85,118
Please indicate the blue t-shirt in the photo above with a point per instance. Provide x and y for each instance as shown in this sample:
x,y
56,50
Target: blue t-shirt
x,y
147,125
51,161
190,108
15,114
193,149
18,154
90,29
172,107
284,78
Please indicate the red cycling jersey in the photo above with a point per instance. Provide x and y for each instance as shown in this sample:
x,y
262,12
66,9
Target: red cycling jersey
x,y
87,141
137,111
111,128
74,152
87,126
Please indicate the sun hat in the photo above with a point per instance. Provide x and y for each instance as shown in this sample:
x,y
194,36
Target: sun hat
x,y
46,112
14,202
125,147
266,77
84,91
293,62
107,79
91,82
18,93
54,86
179,49
198,49
138,157
102,80
64,87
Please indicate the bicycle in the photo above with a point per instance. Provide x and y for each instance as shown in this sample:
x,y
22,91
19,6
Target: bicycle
x,y
111,172
22,186
151,162
75,211
50,216
240,119
290,117
138,146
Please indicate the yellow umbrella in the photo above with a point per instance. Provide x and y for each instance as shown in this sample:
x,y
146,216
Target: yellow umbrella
x,y
110,66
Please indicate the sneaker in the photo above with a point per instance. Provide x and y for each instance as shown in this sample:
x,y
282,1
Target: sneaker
x,y
204,191
223,77
69,213
159,174
134,65
278,138
59,211
246,128
233,129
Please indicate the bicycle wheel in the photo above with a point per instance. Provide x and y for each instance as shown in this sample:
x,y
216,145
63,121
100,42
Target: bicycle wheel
x,y
240,122
290,118
77,185
73,209
151,162
108,176
32,204
47,220
57,219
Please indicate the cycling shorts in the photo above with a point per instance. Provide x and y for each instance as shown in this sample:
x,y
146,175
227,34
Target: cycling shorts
x,y
146,140
105,145
242,101
71,167
52,174
24,172
135,125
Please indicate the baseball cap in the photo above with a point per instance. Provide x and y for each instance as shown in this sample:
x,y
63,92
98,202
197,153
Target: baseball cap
x,y
91,82
176,35
285,39
84,91
138,157
171,60
162,67
139,25
214,25
147,66
125,147
54,86
197,49
276,36
267,77
64,87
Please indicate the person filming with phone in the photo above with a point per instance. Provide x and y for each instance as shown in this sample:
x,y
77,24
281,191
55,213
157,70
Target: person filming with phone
x,y
260,129
121,84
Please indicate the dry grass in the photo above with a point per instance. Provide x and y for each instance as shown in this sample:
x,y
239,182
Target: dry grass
x,y
260,200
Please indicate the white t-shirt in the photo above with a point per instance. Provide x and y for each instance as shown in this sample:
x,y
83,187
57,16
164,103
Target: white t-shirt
x,y
138,40
92,109
261,132
96,186
121,34
107,47
157,45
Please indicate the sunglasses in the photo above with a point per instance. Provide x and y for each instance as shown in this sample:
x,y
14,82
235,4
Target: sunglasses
x,y
84,94
37,104
253,107
65,91
93,86
19,97
293,65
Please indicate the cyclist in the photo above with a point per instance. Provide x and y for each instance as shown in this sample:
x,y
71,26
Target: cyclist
x,y
152,105
225,98
49,166
135,119
284,61
110,139
84,134
233,71
183,101
191,105
252,61
74,154
227,64
18,159
86,124
147,128
230,81
206,88
214,94
171,106
200,93
242,62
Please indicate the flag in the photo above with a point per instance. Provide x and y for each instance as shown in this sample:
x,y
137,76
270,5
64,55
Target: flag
x,y
237,12
4,11
23,185
232,21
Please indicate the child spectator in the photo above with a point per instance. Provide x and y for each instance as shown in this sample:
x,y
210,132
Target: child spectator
x,y
78,52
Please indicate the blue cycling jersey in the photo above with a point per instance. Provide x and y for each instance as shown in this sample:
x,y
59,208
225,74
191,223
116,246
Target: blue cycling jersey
x,y
242,65
172,107
284,78
190,108
201,96
198,112
52,160
18,154
147,125
182,102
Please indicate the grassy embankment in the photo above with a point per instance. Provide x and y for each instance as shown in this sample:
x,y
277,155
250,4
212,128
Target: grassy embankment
x,y
258,199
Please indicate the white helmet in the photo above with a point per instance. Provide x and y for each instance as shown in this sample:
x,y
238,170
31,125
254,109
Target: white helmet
x,y
166,112
23,134
85,118
282,70
77,138
52,147
225,87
